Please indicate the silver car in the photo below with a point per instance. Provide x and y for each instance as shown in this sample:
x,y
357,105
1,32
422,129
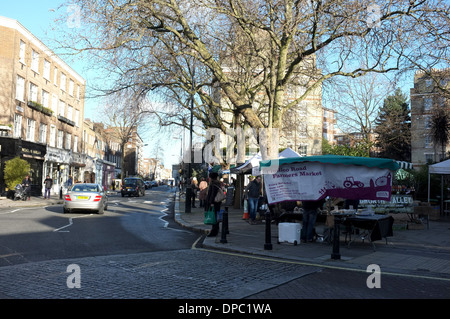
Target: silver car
x,y
86,197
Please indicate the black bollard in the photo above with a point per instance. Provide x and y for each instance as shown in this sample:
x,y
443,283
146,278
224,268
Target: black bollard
x,y
188,200
223,238
268,244
336,254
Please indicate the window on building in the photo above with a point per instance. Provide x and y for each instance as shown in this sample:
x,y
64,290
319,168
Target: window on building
x,y
17,125
71,85
303,149
78,92
428,141
52,136
68,141
22,52
46,70
34,61
77,118
30,129
60,139
63,82
20,88
43,133
70,112
428,82
75,144
33,94
55,104
427,121
45,99
55,76
62,108
427,103
429,158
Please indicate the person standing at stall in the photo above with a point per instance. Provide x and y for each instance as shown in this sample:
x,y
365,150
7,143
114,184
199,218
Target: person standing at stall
x,y
214,187
203,191
309,219
253,190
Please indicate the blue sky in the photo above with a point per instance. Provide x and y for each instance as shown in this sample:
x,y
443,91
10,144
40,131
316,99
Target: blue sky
x,y
38,17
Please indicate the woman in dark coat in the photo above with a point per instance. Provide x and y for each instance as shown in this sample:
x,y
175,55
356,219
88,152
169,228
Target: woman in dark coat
x,y
213,188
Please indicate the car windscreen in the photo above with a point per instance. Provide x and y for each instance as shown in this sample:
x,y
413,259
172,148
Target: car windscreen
x,y
131,182
85,188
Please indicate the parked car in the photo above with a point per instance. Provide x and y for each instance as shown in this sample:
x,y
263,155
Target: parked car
x,y
148,184
85,197
154,183
133,186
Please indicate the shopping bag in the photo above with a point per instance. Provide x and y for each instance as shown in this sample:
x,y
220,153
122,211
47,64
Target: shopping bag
x,y
210,217
220,196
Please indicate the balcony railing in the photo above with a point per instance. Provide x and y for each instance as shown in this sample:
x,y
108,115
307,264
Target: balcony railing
x,y
40,108
66,120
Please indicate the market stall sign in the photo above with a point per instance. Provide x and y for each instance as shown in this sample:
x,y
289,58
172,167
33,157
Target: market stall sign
x,y
315,180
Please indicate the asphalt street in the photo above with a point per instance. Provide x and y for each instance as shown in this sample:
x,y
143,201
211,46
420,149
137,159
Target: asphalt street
x,y
136,251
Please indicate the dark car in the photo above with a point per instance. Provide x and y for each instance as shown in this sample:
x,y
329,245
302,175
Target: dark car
x,y
133,186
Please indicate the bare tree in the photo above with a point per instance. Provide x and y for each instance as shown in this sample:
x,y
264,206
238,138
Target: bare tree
x,y
123,115
247,53
357,103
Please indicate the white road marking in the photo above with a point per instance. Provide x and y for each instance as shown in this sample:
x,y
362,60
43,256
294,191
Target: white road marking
x,y
70,224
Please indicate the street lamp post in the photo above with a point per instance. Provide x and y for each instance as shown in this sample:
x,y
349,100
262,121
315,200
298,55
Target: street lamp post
x,y
189,173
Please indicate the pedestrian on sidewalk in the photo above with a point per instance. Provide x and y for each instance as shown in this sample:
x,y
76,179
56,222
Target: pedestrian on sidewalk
x,y
194,188
26,183
203,192
48,183
310,208
213,188
253,191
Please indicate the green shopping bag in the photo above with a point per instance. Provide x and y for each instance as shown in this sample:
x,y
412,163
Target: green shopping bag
x,y
210,217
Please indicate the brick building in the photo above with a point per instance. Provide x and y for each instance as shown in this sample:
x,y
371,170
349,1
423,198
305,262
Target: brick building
x,y
41,107
424,97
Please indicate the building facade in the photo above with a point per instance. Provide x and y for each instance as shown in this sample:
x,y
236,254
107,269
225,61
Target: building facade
x,y
41,108
425,96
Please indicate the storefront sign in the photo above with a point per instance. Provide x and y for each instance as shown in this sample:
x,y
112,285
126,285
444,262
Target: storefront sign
x,y
57,155
397,204
314,181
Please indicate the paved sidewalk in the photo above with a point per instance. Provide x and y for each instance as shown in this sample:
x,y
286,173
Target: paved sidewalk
x,y
35,201
423,252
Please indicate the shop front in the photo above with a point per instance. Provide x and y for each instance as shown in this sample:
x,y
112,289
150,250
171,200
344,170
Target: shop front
x,y
109,169
33,153
57,166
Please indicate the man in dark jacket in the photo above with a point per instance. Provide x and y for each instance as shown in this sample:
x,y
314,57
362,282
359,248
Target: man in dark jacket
x,y
253,190
48,183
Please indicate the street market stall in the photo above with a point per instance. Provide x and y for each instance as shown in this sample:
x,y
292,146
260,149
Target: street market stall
x,y
314,178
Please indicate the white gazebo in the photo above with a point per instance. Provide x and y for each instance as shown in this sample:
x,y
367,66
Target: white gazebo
x,y
442,168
